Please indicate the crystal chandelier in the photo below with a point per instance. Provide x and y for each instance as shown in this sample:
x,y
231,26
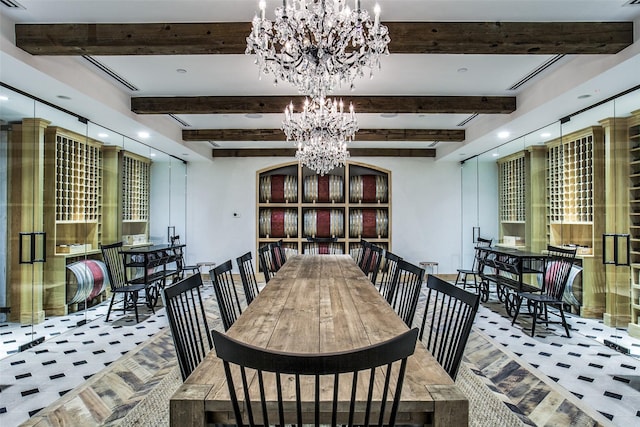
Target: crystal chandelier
x,y
321,132
317,45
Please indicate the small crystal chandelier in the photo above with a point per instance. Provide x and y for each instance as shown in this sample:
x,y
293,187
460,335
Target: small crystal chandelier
x,y
321,132
317,45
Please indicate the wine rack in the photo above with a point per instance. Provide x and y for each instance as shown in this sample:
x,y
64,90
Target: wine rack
x,y
634,220
512,199
135,188
350,203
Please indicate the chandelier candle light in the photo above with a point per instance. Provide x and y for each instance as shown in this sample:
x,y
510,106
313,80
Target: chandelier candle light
x,y
317,45
321,132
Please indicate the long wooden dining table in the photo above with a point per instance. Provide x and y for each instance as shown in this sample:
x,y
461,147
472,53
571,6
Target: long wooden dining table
x,y
318,304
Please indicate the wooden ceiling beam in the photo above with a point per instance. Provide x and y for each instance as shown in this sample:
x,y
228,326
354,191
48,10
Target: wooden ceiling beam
x,y
362,104
353,152
448,135
505,38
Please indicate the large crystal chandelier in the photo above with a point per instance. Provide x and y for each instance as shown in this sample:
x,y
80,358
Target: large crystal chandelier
x,y
321,132
317,45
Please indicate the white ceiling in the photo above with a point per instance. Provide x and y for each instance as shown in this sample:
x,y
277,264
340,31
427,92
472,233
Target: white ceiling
x,y
549,96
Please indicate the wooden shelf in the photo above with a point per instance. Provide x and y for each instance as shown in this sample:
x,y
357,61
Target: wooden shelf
x,y
297,203
633,134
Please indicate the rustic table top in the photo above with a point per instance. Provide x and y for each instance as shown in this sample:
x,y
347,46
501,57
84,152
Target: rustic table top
x,y
320,304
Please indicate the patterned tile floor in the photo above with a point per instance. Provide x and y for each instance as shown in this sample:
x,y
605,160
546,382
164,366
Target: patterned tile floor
x,y
599,376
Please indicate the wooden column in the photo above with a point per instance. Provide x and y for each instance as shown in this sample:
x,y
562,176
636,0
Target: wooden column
x,y
536,203
616,148
25,174
111,194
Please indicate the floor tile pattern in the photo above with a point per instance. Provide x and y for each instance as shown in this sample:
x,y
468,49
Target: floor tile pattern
x,y
527,371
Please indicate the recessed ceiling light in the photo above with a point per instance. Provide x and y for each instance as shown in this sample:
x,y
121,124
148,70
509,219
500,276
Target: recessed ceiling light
x,y
503,135
143,134
103,135
4,98
181,70
495,154
389,115
152,154
545,135
463,70
585,96
253,116
63,97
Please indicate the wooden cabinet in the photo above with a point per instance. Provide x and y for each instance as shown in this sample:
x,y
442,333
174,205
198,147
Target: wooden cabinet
x,y
72,209
633,134
576,207
126,197
349,203
521,199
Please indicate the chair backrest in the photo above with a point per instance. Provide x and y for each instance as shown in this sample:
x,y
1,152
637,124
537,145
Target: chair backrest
x,y
286,374
178,253
372,263
362,252
406,292
448,317
266,265
278,256
114,262
561,251
248,277
386,286
481,243
556,276
226,294
188,322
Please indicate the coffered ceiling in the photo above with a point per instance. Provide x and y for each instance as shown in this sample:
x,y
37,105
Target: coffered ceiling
x,y
458,71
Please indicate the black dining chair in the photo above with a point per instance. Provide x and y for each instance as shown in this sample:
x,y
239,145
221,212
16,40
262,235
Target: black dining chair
x,y
188,322
363,255
120,286
556,275
371,266
386,285
278,255
181,266
226,294
463,274
248,277
406,290
266,264
282,375
447,320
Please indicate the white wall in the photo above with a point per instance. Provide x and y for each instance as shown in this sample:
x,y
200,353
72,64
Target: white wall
x,y
425,214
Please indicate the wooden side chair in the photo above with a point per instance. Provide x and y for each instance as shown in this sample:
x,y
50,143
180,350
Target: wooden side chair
x,y
248,277
266,264
188,322
406,290
474,271
120,286
226,294
362,253
281,376
448,317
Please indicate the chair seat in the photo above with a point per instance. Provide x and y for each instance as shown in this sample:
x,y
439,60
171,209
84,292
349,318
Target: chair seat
x,y
130,288
539,298
464,271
